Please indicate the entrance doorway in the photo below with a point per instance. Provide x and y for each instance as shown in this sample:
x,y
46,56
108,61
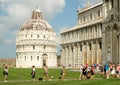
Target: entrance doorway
x,y
44,62
44,59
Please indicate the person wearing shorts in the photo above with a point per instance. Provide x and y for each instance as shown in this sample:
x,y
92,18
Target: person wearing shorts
x,y
5,72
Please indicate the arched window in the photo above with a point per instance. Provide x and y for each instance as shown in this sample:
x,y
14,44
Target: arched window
x,y
98,13
84,18
31,58
80,47
112,4
25,58
33,47
37,57
90,46
44,47
37,35
91,16
100,45
72,49
26,35
31,35
44,36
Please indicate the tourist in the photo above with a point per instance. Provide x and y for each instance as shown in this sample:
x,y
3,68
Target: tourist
x,y
84,73
33,73
46,73
102,71
92,71
5,72
81,68
107,71
117,71
63,73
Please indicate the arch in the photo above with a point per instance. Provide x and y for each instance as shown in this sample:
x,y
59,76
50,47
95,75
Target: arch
x,y
108,29
115,27
44,59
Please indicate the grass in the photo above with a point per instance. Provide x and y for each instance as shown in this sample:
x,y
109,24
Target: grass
x,y
23,77
25,74
67,82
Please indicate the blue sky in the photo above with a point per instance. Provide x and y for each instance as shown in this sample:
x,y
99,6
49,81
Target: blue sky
x,y
13,13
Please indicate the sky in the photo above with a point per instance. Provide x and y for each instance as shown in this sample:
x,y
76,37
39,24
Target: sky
x,y
60,14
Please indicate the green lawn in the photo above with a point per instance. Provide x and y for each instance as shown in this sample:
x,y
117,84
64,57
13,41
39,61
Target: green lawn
x,y
67,82
25,74
23,77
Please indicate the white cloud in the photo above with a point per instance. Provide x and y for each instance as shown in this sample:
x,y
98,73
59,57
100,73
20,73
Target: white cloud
x,y
4,1
16,12
8,41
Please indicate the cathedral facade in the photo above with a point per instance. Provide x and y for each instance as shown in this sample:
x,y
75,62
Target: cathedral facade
x,y
95,38
36,43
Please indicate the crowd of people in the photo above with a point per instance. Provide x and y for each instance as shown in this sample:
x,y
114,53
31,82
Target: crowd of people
x,y
86,72
104,71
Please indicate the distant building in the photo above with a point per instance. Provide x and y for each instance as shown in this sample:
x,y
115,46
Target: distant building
x,y
10,62
95,38
36,43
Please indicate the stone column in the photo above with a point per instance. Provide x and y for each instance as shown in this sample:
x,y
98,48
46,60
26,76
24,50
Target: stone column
x,y
75,55
100,31
63,56
92,33
84,52
70,56
94,29
97,48
81,55
66,52
88,53
103,46
85,34
81,35
93,51
119,49
78,55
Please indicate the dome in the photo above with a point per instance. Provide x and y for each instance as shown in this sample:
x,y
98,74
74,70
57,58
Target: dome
x,y
37,10
36,22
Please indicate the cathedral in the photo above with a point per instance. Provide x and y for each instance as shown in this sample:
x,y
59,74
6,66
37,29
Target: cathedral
x,y
95,38
36,43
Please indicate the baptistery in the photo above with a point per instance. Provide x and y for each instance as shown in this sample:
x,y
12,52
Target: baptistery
x,y
36,43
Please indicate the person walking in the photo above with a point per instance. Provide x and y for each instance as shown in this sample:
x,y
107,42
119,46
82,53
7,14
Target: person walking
x,y
46,76
63,73
5,72
81,68
33,73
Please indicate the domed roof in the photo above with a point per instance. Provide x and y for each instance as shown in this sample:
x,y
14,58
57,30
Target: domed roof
x,y
37,10
36,22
